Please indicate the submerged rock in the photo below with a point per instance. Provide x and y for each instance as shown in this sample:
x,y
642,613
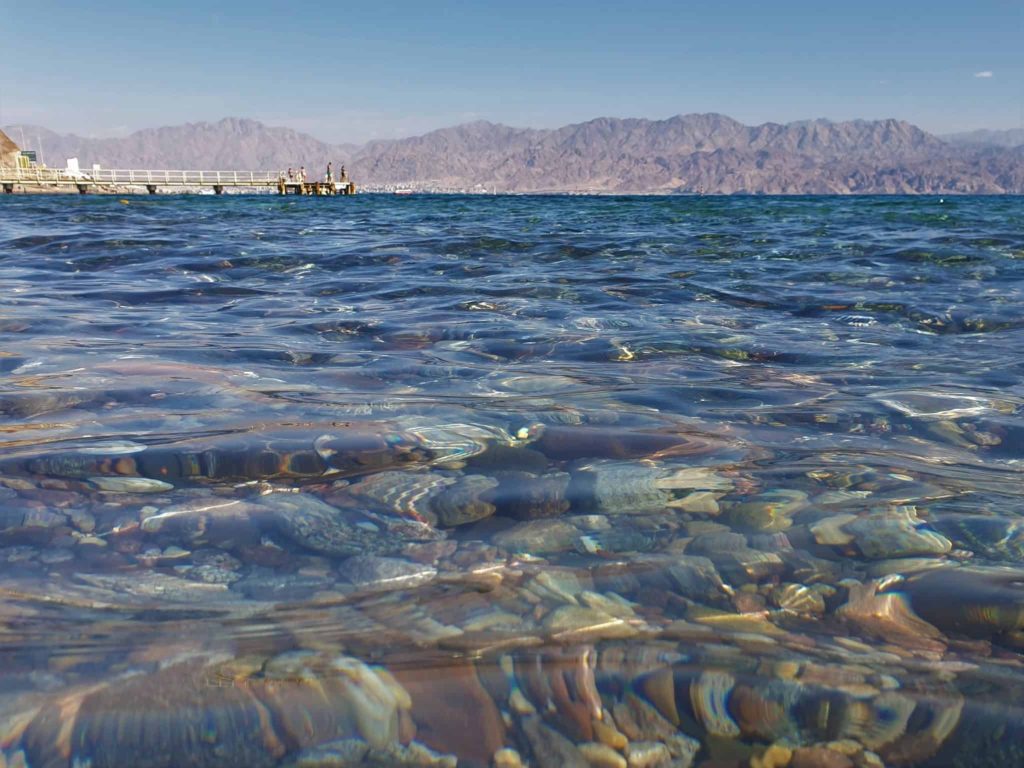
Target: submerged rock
x,y
466,501
453,711
573,624
529,496
770,512
130,484
889,615
619,488
695,577
882,535
618,541
974,601
624,488
539,536
798,598
995,538
549,748
285,588
151,720
323,528
748,565
432,497
896,534
193,518
372,572
16,519
344,753
648,754
601,755
318,697
709,696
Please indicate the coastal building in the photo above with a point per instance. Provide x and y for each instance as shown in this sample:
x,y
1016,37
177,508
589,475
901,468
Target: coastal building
x,y
10,153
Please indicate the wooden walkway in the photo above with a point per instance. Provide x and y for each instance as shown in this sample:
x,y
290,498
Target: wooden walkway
x,y
151,181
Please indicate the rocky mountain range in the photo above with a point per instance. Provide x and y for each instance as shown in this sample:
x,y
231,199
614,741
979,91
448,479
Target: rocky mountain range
x,y
696,153
229,144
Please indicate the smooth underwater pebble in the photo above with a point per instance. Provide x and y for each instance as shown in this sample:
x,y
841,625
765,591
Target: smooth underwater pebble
x,y
571,623
130,484
602,756
647,754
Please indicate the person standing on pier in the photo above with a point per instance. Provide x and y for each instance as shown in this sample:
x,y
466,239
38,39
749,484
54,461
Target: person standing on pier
x,y
330,173
302,173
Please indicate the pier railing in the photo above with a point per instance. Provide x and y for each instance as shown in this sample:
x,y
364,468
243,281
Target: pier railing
x,y
166,178
112,179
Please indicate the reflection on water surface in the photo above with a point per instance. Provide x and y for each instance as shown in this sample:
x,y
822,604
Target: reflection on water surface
x,y
511,481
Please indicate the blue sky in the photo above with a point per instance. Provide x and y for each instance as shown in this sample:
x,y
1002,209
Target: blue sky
x,y
347,71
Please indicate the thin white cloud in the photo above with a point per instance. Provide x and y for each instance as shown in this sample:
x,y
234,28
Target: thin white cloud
x,y
986,73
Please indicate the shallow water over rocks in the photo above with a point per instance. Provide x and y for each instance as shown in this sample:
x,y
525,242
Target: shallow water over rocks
x,y
511,481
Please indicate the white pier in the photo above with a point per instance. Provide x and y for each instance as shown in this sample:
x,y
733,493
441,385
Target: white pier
x,y
99,179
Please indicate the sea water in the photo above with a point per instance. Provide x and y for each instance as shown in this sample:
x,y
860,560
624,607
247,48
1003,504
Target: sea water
x,y
511,481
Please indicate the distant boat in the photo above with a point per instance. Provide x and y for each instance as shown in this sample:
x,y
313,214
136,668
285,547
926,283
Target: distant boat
x,y
403,191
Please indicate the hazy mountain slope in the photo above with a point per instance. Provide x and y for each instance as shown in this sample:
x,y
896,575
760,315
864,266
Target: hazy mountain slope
x,y
456,154
1013,137
229,144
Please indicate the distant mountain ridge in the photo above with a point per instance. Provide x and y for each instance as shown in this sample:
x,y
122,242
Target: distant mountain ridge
x,y
1014,137
695,153
235,144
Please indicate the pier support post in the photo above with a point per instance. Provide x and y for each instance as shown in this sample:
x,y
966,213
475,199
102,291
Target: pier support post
x,y
151,188
8,189
82,188
218,188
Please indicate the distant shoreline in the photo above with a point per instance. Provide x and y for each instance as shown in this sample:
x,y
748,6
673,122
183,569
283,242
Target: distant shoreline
x,y
694,153
142,192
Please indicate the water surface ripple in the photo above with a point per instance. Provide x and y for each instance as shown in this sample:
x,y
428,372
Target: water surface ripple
x,y
511,480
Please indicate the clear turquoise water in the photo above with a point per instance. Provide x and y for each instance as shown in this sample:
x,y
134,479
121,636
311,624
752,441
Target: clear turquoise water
x,y
347,480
